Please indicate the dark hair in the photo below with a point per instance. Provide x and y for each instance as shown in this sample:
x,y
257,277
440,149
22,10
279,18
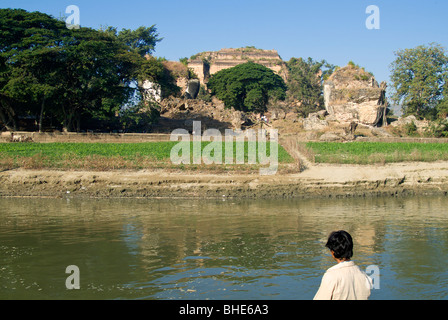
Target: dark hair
x,y
341,243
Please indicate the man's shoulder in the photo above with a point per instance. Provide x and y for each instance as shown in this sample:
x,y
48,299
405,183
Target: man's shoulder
x,y
343,267
345,264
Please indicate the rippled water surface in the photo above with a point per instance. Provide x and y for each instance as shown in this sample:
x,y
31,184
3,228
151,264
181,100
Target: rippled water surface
x,y
191,249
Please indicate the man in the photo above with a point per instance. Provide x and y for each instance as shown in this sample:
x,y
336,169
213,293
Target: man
x,y
344,281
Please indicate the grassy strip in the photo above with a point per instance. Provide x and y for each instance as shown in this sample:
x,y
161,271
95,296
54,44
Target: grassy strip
x,y
109,156
375,152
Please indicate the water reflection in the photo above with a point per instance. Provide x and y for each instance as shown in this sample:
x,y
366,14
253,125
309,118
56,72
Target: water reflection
x,y
165,249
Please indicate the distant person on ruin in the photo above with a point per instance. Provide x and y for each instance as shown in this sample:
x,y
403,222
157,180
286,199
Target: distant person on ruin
x,y
343,281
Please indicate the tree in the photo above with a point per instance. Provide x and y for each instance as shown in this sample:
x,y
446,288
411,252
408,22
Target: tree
x,y
418,79
142,40
33,81
247,87
72,75
305,83
96,68
442,106
28,46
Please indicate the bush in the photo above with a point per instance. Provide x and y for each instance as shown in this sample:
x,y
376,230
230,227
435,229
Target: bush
x,y
438,129
204,95
410,128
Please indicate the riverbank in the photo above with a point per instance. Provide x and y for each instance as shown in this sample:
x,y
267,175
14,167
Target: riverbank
x,y
316,180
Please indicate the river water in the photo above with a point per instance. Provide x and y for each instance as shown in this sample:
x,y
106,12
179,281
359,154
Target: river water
x,y
209,249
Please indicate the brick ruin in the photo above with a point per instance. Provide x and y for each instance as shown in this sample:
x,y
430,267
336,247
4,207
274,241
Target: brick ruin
x,y
208,63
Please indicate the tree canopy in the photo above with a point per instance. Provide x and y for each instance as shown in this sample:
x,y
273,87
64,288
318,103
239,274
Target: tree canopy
x,y
247,87
68,75
305,83
419,80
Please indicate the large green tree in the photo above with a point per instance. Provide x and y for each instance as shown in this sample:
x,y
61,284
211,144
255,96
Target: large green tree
x,y
72,76
247,87
141,44
29,45
33,82
96,71
419,76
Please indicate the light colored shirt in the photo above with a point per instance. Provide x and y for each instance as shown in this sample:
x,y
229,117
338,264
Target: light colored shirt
x,y
344,281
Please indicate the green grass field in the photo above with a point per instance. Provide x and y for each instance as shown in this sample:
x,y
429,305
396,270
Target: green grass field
x,y
106,156
374,152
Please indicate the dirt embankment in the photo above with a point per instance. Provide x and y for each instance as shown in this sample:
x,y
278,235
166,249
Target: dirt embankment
x,y
314,181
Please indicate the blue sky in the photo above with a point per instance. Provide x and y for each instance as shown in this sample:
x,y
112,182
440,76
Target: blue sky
x,y
321,29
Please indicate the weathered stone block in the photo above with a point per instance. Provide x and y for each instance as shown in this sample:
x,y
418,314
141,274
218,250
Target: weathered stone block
x,y
351,94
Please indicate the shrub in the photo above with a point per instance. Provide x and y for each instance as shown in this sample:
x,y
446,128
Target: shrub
x,y
410,128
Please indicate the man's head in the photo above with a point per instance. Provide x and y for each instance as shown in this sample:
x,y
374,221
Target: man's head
x,y
341,244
